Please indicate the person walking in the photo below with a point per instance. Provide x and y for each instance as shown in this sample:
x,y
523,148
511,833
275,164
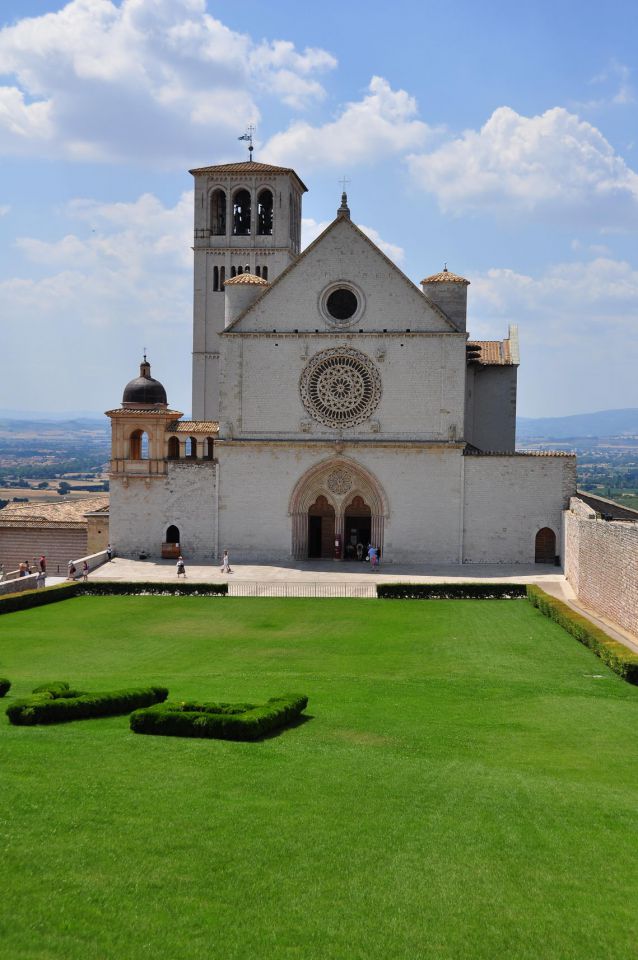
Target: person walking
x,y
40,581
72,571
42,564
109,552
225,568
181,568
85,571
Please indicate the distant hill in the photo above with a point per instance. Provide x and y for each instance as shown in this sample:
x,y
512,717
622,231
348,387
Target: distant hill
x,y
39,415
604,423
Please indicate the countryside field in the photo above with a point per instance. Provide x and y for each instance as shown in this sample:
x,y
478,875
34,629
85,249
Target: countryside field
x,y
465,786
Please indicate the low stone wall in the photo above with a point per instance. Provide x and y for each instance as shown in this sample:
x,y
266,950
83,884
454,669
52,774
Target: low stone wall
x,y
19,585
601,563
94,561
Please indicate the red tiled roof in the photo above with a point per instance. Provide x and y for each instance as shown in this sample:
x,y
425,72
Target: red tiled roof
x,y
248,167
246,278
491,353
193,426
446,276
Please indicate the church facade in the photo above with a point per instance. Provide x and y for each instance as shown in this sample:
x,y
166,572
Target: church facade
x,y
335,404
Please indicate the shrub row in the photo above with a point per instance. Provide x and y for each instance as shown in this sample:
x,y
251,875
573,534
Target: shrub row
x,y
616,655
223,721
5,686
105,588
450,591
10,603
57,703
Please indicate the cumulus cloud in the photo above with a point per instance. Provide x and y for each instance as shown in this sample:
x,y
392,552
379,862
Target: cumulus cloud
x,y
143,79
554,166
381,124
310,230
577,324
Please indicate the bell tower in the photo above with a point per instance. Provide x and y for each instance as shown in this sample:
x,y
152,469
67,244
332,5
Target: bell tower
x,y
247,220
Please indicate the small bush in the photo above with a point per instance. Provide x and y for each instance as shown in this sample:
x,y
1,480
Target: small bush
x,y
616,655
450,591
106,588
222,721
5,686
12,602
57,703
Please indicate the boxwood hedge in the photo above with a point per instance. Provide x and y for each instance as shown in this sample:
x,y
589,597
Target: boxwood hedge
x,y
616,655
11,602
57,703
5,686
450,591
223,721
106,588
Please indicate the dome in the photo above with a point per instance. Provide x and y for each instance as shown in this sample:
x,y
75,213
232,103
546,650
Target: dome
x,y
144,390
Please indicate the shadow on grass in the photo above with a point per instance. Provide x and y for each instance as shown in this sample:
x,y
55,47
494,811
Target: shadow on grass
x,y
299,722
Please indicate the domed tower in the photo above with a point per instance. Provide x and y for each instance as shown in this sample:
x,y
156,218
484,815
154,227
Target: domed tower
x,y
138,427
247,220
449,292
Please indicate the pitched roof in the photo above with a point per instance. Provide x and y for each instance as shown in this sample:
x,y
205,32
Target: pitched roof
x,y
246,278
491,353
446,276
304,253
193,426
55,511
246,167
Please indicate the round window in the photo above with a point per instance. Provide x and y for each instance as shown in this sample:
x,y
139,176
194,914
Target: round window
x,y
342,304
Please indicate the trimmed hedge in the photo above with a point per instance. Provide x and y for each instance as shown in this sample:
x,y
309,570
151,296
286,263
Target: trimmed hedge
x,y
222,721
106,588
5,686
450,591
616,655
10,603
57,703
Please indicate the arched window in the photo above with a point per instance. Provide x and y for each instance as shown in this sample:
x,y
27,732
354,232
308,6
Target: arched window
x,y
241,214
240,270
172,534
191,447
247,268
264,273
233,272
218,213
215,279
138,446
173,448
264,213
257,271
222,277
209,448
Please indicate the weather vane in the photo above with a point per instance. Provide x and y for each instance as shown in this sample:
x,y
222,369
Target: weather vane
x,y
248,136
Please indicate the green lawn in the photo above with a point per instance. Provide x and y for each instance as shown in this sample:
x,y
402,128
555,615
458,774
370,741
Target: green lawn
x,y
466,787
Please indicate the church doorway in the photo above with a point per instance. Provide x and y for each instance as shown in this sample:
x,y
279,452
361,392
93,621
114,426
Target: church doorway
x,y
545,546
357,528
321,529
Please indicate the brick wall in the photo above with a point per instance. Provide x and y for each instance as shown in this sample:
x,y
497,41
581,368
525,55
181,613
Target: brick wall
x,y
601,564
58,544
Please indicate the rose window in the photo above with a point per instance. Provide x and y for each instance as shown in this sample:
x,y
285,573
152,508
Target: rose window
x,y
340,387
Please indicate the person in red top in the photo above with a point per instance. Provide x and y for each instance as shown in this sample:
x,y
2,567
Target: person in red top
x,y
43,564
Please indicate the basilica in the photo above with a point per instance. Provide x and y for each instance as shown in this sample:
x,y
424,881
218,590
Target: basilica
x,y
336,404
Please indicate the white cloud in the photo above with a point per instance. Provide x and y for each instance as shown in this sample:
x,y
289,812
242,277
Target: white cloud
x,y
143,79
310,230
554,166
617,76
577,326
383,123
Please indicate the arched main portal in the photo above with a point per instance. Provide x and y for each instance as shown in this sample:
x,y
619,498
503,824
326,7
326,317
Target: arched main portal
x,y
357,529
321,528
343,489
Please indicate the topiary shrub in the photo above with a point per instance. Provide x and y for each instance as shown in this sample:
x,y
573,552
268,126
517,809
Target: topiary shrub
x,y
450,591
12,602
222,721
5,686
57,703
616,655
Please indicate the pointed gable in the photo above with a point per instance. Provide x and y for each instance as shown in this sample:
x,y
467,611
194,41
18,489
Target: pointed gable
x,y
345,262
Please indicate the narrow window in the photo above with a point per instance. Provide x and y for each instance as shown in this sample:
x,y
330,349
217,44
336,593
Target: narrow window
x,y
173,448
247,268
215,279
257,271
240,270
241,214
264,213
222,277
192,448
218,213
233,272
264,273
209,448
138,445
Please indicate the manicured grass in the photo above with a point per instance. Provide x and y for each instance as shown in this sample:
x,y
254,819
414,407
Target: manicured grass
x,y
467,787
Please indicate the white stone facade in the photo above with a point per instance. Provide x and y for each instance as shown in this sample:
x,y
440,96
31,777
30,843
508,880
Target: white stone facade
x,y
335,401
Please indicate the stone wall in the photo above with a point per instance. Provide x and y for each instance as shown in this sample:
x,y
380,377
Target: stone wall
x,y
601,563
59,544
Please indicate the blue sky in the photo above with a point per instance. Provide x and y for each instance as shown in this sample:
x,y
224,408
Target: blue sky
x,y
500,138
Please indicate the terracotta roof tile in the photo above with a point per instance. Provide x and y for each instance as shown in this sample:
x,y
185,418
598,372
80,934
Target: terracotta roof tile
x,y
446,276
491,353
57,511
246,166
193,426
246,278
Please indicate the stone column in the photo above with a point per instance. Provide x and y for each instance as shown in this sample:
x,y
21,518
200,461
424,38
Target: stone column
x,y
376,531
300,536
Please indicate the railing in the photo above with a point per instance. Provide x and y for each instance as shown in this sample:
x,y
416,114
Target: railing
x,y
301,588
